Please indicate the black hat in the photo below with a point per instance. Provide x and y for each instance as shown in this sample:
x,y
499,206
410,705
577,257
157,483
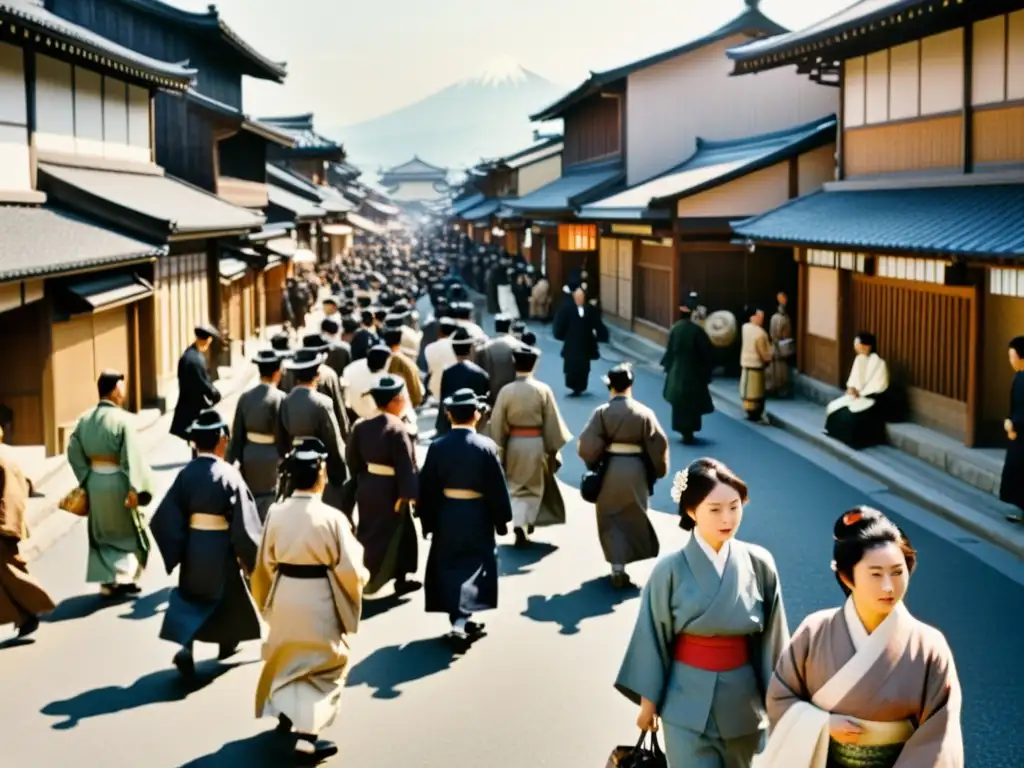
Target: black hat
x,y
377,357
328,325
309,451
386,389
394,321
380,314
331,300
364,301
525,358
281,343
206,331
349,324
691,302
392,336
447,326
518,326
305,359
462,343
366,317
315,341
529,338
502,323
267,357
464,398
461,310
620,378
208,420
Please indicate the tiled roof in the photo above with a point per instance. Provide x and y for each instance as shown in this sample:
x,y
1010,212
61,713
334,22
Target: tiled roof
x,y
153,203
577,186
37,241
751,22
230,267
363,223
268,132
465,203
333,201
300,127
328,198
34,16
382,208
713,164
484,210
299,207
209,22
970,221
416,169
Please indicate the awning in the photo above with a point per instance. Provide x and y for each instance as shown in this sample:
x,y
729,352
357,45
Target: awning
x,y
465,204
231,269
337,229
382,208
485,210
364,224
109,292
982,221
149,203
713,164
297,206
272,231
577,186
283,246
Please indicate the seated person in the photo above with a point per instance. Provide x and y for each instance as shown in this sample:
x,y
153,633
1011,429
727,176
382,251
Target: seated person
x,y
856,418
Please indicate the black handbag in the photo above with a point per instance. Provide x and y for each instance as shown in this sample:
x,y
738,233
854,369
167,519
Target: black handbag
x,y
592,480
639,756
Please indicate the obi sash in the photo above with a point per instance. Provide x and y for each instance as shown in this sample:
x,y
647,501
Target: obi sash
x,y
713,654
381,470
525,432
259,438
624,449
201,521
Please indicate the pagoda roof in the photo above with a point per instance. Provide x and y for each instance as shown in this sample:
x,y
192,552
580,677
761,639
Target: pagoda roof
x,y
415,169
307,141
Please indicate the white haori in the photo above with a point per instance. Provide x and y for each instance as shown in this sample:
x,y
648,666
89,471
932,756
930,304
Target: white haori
x,y
870,377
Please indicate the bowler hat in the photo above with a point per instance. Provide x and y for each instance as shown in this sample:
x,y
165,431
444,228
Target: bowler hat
x,y
208,420
309,451
304,359
267,357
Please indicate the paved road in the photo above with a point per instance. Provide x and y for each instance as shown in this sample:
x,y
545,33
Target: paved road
x,y
97,683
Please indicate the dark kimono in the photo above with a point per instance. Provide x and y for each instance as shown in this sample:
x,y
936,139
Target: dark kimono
x,y
495,357
306,413
1011,488
328,384
460,375
253,442
688,363
195,391
211,602
338,356
580,337
363,339
462,568
387,534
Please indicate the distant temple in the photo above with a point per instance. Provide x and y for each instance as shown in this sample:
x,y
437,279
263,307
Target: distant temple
x,y
415,181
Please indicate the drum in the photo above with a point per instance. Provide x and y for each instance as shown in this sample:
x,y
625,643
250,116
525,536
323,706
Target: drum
x,y
721,328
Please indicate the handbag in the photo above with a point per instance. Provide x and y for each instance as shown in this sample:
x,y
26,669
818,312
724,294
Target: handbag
x,y
639,756
76,501
593,479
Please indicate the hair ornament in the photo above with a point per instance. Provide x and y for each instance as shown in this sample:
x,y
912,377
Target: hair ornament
x,y
851,518
679,483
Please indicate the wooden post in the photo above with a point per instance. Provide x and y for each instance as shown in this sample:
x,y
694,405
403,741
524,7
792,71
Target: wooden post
x,y
135,358
968,97
801,312
974,340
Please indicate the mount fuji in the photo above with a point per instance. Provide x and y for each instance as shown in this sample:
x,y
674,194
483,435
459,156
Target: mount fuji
x,y
485,115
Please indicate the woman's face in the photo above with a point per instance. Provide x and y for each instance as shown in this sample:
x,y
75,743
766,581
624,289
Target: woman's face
x,y
1014,359
880,579
861,348
718,516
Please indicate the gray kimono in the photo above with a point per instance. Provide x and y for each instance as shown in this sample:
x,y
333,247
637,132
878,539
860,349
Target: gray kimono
x,y
626,534
711,718
328,384
306,413
495,357
253,442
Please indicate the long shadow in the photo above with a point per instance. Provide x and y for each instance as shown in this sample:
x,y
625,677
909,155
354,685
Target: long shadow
x,y
388,668
381,605
160,687
591,599
84,606
516,562
16,642
265,750
148,606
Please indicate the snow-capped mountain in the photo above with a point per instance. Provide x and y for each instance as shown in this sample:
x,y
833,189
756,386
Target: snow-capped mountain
x,y
484,115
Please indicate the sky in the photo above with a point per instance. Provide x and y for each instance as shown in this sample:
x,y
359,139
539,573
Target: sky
x,y
352,60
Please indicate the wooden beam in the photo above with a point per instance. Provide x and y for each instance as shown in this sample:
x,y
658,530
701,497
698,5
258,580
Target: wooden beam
x,y
968,111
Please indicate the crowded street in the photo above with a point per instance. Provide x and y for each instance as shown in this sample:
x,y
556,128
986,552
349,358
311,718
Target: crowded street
x,y
97,685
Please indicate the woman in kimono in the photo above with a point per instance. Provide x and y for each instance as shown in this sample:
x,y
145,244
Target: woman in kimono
x,y
855,418
1011,488
208,524
463,503
108,463
711,629
308,582
382,461
866,685
780,331
529,431
625,434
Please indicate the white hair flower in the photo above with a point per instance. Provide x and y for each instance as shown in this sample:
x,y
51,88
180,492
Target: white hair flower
x,y
679,484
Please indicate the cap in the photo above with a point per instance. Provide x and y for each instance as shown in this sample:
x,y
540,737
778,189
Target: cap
x,y
206,331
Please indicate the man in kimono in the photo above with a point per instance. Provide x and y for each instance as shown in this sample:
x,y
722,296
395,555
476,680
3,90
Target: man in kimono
x,y
22,598
688,362
208,524
431,331
308,583
366,336
361,375
382,460
282,344
328,383
400,365
195,388
580,328
306,412
780,331
463,502
252,443
462,313
755,354
411,338
495,357
339,353
331,305
463,374
105,455
529,431
626,436
439,355
1011,487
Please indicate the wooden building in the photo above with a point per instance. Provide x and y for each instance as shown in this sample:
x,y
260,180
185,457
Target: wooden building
x,y
415,181
76,296
920,239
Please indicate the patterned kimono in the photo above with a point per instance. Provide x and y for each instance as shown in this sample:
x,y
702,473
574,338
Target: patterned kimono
x,y
711,719
531,462
627,434
310,619
252,442
899,684
118,542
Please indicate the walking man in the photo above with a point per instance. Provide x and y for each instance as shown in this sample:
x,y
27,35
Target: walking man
x,y
195,388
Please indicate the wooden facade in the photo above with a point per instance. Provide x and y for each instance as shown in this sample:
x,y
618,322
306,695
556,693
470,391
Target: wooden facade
x,y
183,291
593,129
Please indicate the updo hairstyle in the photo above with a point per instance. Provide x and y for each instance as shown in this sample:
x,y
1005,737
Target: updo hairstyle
x,y
695,483
862,529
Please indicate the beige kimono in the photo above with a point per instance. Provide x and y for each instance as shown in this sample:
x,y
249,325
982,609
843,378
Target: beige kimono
x,y
899,684
781,332
540,300
755,354
530,462
306,653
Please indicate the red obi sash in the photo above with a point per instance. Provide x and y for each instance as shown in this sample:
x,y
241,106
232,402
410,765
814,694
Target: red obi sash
x,y
713,654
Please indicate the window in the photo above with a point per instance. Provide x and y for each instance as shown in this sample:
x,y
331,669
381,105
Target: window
x,y
1006,282
906,268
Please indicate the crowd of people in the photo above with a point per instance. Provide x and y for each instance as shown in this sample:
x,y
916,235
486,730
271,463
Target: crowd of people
x,y
312,496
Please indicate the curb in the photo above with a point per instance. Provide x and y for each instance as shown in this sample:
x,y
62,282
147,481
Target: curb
x,y
916,492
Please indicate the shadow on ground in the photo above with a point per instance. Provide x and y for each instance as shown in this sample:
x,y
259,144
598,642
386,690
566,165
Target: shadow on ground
x,y
84,606
516,562
387,669
265,750
380,605
591,599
